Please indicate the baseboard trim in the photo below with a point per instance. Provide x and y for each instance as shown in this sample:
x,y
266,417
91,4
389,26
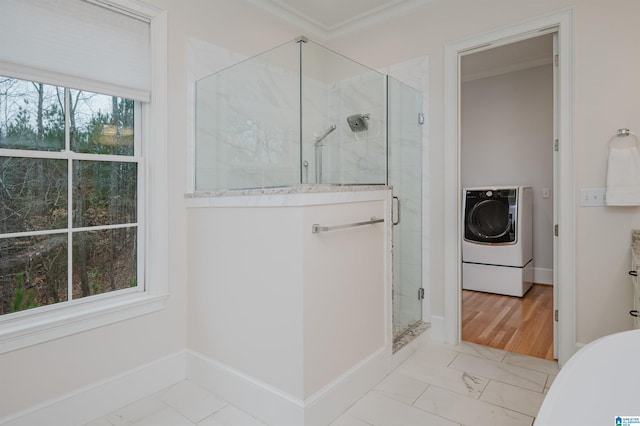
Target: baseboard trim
x,y
257,398
437,329
99,399
334,399
263,401
543,276
274,406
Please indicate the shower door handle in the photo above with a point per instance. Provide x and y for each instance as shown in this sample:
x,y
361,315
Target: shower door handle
x,y
396,222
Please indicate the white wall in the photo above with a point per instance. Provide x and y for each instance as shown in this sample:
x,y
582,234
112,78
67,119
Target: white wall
x,y
33,375
607,85
606,89
507,134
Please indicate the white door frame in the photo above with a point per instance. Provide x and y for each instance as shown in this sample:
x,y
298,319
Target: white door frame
x,y
562,22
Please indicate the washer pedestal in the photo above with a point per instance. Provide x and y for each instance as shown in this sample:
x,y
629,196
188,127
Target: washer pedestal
x,y
508,280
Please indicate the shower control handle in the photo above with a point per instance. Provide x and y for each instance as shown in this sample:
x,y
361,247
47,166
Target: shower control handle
x,y
397,222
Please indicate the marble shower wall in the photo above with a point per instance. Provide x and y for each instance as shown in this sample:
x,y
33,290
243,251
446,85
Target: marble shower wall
x,y
358,157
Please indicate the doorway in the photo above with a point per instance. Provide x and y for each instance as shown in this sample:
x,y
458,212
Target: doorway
x,y
506,140
564,194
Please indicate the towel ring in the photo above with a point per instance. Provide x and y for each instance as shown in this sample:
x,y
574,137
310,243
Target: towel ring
x,y
621,133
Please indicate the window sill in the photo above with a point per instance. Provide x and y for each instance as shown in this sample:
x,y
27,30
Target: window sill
x,y
31,328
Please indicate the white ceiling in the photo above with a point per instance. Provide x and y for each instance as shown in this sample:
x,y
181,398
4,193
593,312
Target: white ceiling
x,y
331,18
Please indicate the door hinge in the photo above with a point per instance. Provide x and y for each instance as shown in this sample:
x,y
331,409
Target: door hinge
x,y
421,118
555,60
555,230
555,315
420,293
555,145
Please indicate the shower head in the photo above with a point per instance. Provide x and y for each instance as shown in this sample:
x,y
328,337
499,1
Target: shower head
x,y
358,122
325,134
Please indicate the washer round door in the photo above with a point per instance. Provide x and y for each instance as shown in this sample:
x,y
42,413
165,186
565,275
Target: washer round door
x,y
490,221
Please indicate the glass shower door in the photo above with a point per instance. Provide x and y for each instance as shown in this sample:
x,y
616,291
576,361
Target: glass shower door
x,y
404,128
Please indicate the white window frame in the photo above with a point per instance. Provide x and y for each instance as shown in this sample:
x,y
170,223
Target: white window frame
x,y
31,327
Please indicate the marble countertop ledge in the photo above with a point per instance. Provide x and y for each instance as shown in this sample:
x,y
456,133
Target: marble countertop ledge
x,y
285,196
635,244
298,189
635,238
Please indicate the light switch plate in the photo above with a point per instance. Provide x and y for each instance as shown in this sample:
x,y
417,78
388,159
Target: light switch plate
x,y
591,197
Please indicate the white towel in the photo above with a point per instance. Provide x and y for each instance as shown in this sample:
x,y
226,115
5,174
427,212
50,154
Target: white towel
x,y
623,177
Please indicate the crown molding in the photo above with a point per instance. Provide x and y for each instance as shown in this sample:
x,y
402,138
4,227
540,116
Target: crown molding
x,y
310,25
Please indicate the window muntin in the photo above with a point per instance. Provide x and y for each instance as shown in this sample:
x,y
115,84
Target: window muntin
x,y
65,150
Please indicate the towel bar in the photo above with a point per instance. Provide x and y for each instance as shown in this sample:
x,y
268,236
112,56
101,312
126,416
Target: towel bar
x,y
316,228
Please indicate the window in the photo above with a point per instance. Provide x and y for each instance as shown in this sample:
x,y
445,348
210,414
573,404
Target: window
x,y
68,194
83,166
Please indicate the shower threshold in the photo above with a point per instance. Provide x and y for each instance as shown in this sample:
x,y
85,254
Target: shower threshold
x,y
405,336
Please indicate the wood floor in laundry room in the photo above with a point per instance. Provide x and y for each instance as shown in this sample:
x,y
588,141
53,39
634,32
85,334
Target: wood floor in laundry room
x,y
523,325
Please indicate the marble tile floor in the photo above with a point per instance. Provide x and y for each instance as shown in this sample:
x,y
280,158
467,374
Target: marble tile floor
x,y
439,385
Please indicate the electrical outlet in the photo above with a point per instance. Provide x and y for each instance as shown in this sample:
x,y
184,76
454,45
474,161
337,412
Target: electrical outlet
x,y
590,197
546,193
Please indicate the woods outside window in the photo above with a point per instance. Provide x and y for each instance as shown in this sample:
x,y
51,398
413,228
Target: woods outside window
x,y
68,194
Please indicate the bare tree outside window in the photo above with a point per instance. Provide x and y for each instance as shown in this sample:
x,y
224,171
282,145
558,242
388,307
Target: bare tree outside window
x,y
68,194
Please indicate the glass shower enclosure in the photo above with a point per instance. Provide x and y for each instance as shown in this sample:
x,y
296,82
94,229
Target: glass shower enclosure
x,y
405,120
296,114
301,114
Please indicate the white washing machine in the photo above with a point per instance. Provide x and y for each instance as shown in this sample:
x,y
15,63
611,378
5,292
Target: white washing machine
x,y
497,245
